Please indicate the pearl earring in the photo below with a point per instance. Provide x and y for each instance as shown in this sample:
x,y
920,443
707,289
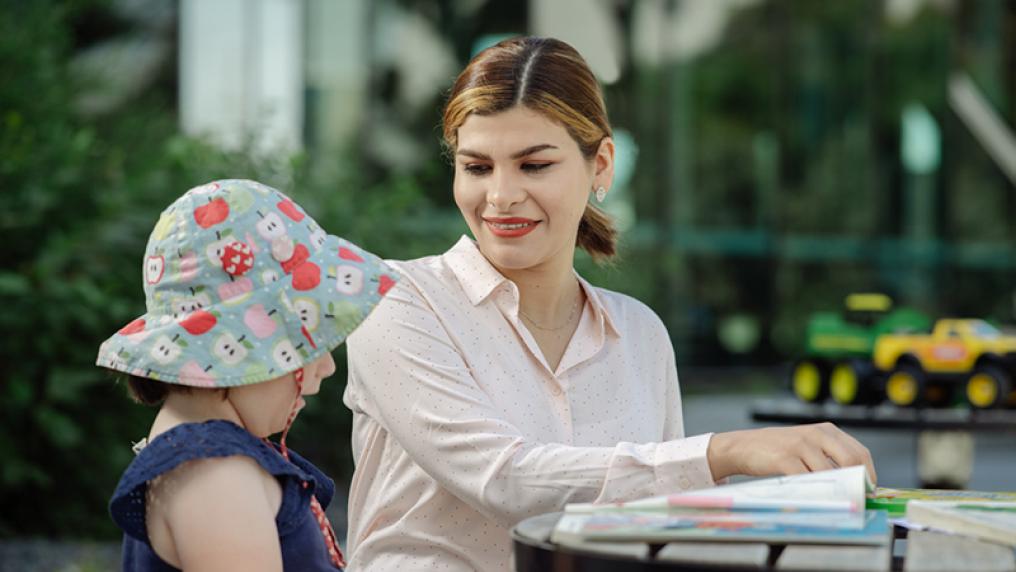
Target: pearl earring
x,y
601,193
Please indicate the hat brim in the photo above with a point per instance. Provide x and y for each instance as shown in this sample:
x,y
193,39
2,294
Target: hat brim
x,y
308,311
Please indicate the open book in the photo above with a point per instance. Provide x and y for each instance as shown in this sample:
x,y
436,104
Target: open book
x,y
826,507
992,521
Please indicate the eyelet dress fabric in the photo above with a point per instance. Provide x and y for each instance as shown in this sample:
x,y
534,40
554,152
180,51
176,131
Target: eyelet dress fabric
x,y
302,545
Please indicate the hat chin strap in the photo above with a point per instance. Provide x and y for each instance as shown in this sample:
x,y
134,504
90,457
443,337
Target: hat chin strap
x,y
298,379
331,541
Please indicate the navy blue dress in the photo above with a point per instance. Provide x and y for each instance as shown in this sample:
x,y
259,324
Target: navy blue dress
x,y
303,546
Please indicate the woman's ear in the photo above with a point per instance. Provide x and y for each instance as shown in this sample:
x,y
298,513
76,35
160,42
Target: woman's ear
x,y
603,164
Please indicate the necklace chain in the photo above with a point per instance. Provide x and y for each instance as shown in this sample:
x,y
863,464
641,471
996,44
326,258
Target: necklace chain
x,y
568,320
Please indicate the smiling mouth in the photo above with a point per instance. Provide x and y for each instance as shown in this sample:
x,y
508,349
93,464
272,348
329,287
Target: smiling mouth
x,y
510,227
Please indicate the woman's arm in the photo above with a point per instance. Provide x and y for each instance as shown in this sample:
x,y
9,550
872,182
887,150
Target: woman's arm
x,y
406,372
220,517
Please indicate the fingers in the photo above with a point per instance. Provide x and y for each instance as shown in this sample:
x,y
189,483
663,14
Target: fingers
x,y
844,450
793,466
788,451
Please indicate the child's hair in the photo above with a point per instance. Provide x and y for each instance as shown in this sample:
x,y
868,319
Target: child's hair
x,y
147,391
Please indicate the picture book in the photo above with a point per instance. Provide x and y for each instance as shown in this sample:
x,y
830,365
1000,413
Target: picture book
x,y
834,490
895,500
991,521
825,507
836,527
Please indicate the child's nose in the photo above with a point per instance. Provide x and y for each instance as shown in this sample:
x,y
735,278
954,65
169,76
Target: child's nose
x,y
327,366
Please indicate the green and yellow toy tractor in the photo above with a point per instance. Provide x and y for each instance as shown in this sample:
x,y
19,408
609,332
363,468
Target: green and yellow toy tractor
x,y
837,362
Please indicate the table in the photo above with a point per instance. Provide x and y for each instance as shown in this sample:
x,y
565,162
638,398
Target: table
x,y
945,444
923,551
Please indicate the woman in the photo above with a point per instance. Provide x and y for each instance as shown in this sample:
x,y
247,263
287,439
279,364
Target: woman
x,y
494,383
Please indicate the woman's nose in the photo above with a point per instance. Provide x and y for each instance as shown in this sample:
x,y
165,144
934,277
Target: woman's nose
x,y
504,191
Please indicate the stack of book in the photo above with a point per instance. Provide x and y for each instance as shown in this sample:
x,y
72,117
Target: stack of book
x,y
989,516
826,507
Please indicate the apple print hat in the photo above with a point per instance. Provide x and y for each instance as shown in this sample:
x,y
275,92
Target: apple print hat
x,y
242,286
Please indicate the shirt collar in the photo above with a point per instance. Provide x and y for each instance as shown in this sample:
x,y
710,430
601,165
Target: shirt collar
x,y
479,279
475,273
599,308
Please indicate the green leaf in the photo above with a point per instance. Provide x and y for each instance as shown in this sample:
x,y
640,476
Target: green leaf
x,y
67,384
61,430
12,284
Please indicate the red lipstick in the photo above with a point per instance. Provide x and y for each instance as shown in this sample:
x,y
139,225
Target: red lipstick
x,y
510,227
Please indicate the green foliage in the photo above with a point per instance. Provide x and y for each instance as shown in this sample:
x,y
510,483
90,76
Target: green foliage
x,y
80,196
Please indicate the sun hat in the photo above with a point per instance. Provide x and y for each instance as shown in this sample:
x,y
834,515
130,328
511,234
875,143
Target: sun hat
x,y
242,286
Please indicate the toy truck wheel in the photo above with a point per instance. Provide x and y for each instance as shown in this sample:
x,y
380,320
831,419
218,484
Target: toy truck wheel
x,y
849,382
905,385
989,386
808,381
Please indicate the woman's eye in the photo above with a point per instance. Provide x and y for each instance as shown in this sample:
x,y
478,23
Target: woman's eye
x,y
535,167
476,169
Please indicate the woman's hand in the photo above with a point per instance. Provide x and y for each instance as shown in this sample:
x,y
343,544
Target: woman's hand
x,y
785,451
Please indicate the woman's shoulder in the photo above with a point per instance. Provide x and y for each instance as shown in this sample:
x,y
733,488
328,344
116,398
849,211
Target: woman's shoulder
x,y
626,312
460,270
423,273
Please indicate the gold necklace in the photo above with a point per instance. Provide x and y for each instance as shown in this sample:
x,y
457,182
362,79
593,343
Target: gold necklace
x,y
567,321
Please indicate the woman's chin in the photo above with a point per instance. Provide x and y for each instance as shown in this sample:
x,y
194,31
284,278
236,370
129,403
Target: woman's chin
x,y
509,256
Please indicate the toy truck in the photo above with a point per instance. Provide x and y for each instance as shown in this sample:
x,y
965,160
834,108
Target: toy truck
x,y
927,369
838,357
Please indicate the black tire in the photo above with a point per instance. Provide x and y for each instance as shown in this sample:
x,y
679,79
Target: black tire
x,y
989,386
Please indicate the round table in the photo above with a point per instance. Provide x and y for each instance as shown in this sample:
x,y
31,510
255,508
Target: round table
x,y
534,552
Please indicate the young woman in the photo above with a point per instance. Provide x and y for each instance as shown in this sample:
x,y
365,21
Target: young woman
x,y
494,383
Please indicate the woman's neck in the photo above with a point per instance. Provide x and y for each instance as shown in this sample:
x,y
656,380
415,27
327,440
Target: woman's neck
x,y
194,407
548,293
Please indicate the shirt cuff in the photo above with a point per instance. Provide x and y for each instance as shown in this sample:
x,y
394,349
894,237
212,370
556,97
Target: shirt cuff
x,y
682,465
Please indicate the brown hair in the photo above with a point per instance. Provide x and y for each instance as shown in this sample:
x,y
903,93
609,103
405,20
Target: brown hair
x,y
551,78
147,391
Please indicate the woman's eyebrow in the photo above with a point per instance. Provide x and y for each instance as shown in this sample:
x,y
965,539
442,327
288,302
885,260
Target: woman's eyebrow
x,y
516,155
533,149
473,154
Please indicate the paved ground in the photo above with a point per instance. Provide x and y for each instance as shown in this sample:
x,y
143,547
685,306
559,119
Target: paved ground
x,y
894,453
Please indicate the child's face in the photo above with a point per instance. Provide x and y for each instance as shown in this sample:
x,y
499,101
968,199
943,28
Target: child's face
x,y
264,407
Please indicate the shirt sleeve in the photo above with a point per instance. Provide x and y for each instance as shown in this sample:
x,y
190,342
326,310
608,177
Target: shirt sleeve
x,y
406,372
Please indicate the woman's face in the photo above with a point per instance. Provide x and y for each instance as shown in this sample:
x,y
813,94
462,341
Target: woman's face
x,y
522,185
264,407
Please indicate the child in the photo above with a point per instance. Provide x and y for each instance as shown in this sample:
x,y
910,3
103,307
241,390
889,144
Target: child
x,y
246,298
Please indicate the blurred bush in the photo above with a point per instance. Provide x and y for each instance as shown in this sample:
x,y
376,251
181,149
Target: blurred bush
x,y
80,195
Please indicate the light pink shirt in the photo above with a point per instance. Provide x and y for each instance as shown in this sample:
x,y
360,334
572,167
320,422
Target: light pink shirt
x,y
461,430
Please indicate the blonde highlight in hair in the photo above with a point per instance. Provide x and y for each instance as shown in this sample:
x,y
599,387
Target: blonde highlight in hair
x,y
547,76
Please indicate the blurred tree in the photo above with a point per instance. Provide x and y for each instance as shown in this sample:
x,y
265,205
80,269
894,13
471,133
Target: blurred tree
x,y
80,195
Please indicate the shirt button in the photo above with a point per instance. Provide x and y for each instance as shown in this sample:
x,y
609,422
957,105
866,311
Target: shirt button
x,y
556,391
684,483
